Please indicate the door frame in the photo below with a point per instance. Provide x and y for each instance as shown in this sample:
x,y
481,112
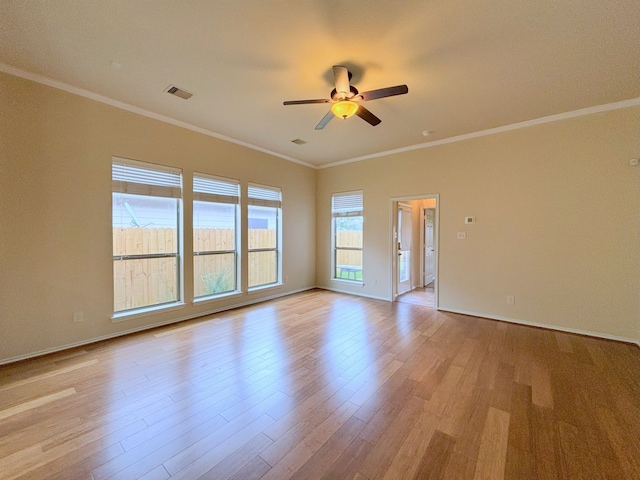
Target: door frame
x,y
399,206
423,222
393,228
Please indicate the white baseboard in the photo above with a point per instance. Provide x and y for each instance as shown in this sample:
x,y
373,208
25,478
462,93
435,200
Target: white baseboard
x,y
544,325
121,333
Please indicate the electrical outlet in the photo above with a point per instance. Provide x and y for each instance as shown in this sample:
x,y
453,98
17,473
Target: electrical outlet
x,y
461,236
511,299
78,317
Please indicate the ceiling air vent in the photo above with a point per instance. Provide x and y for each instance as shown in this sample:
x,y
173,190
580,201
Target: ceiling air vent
x,y
298,141
179,92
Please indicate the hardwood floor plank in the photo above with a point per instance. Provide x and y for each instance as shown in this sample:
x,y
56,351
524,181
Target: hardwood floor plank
x,y
253,417
188,466
47,375
177,424
87,441
303,451
329,453
541,393
435,460
350,461
518,465
379,413
407,460
159,448
575,461
314,408
493,446
391,439
36,402
520,420
76,464
564,343
253,470
369,388
544,443
439,401
238,460
158,473
625,446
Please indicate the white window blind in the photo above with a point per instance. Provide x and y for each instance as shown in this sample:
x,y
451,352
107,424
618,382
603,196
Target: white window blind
x,y
265,196
208,188
348,204
145,179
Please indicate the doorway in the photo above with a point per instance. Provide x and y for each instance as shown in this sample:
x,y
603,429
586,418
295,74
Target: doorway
x,y
415,250
405,242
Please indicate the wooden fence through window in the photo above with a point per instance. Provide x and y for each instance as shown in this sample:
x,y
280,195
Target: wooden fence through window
x,y
142,282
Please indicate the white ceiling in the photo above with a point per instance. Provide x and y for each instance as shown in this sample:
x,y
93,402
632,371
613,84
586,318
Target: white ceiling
x,y
470,65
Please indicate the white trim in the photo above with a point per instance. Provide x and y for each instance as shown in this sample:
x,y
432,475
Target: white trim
x,y
260,288
213,297
121,333
633,102
527,323
124,315
50,82
337,290
34,77
355,283
436,242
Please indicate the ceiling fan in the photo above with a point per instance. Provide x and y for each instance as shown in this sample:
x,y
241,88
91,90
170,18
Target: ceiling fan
x,y
345,99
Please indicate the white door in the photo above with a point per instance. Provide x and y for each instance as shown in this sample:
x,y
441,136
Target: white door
x,y
429,255
405,236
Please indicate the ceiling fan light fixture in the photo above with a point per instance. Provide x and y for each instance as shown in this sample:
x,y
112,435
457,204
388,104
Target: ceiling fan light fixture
x,y
344,108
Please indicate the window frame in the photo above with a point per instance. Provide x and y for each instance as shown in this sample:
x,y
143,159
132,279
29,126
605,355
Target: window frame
x,y
355,210
217,192
259,195
124,173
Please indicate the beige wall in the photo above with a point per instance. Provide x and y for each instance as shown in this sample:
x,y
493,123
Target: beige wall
x,y
55,212
557,208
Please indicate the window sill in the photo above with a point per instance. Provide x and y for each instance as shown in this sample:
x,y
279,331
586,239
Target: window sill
x,y
212,298
358,283
145,311
264,287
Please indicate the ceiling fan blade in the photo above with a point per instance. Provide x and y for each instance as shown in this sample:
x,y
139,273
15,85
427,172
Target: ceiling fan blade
x,y
367,116
304,102
326,119
341,75
383,92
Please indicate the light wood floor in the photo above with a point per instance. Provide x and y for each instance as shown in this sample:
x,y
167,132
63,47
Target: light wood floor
x,y
324,385
418,296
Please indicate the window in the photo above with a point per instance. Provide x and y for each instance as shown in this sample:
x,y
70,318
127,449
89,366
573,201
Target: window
x,y
264,235
146,203
347,222
215,235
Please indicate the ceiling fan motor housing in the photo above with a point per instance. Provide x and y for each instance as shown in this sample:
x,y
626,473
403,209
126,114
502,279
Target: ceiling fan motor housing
x,y
335,96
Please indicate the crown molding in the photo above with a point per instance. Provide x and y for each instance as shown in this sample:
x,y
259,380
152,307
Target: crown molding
x,y
634,102
11,70
50,82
